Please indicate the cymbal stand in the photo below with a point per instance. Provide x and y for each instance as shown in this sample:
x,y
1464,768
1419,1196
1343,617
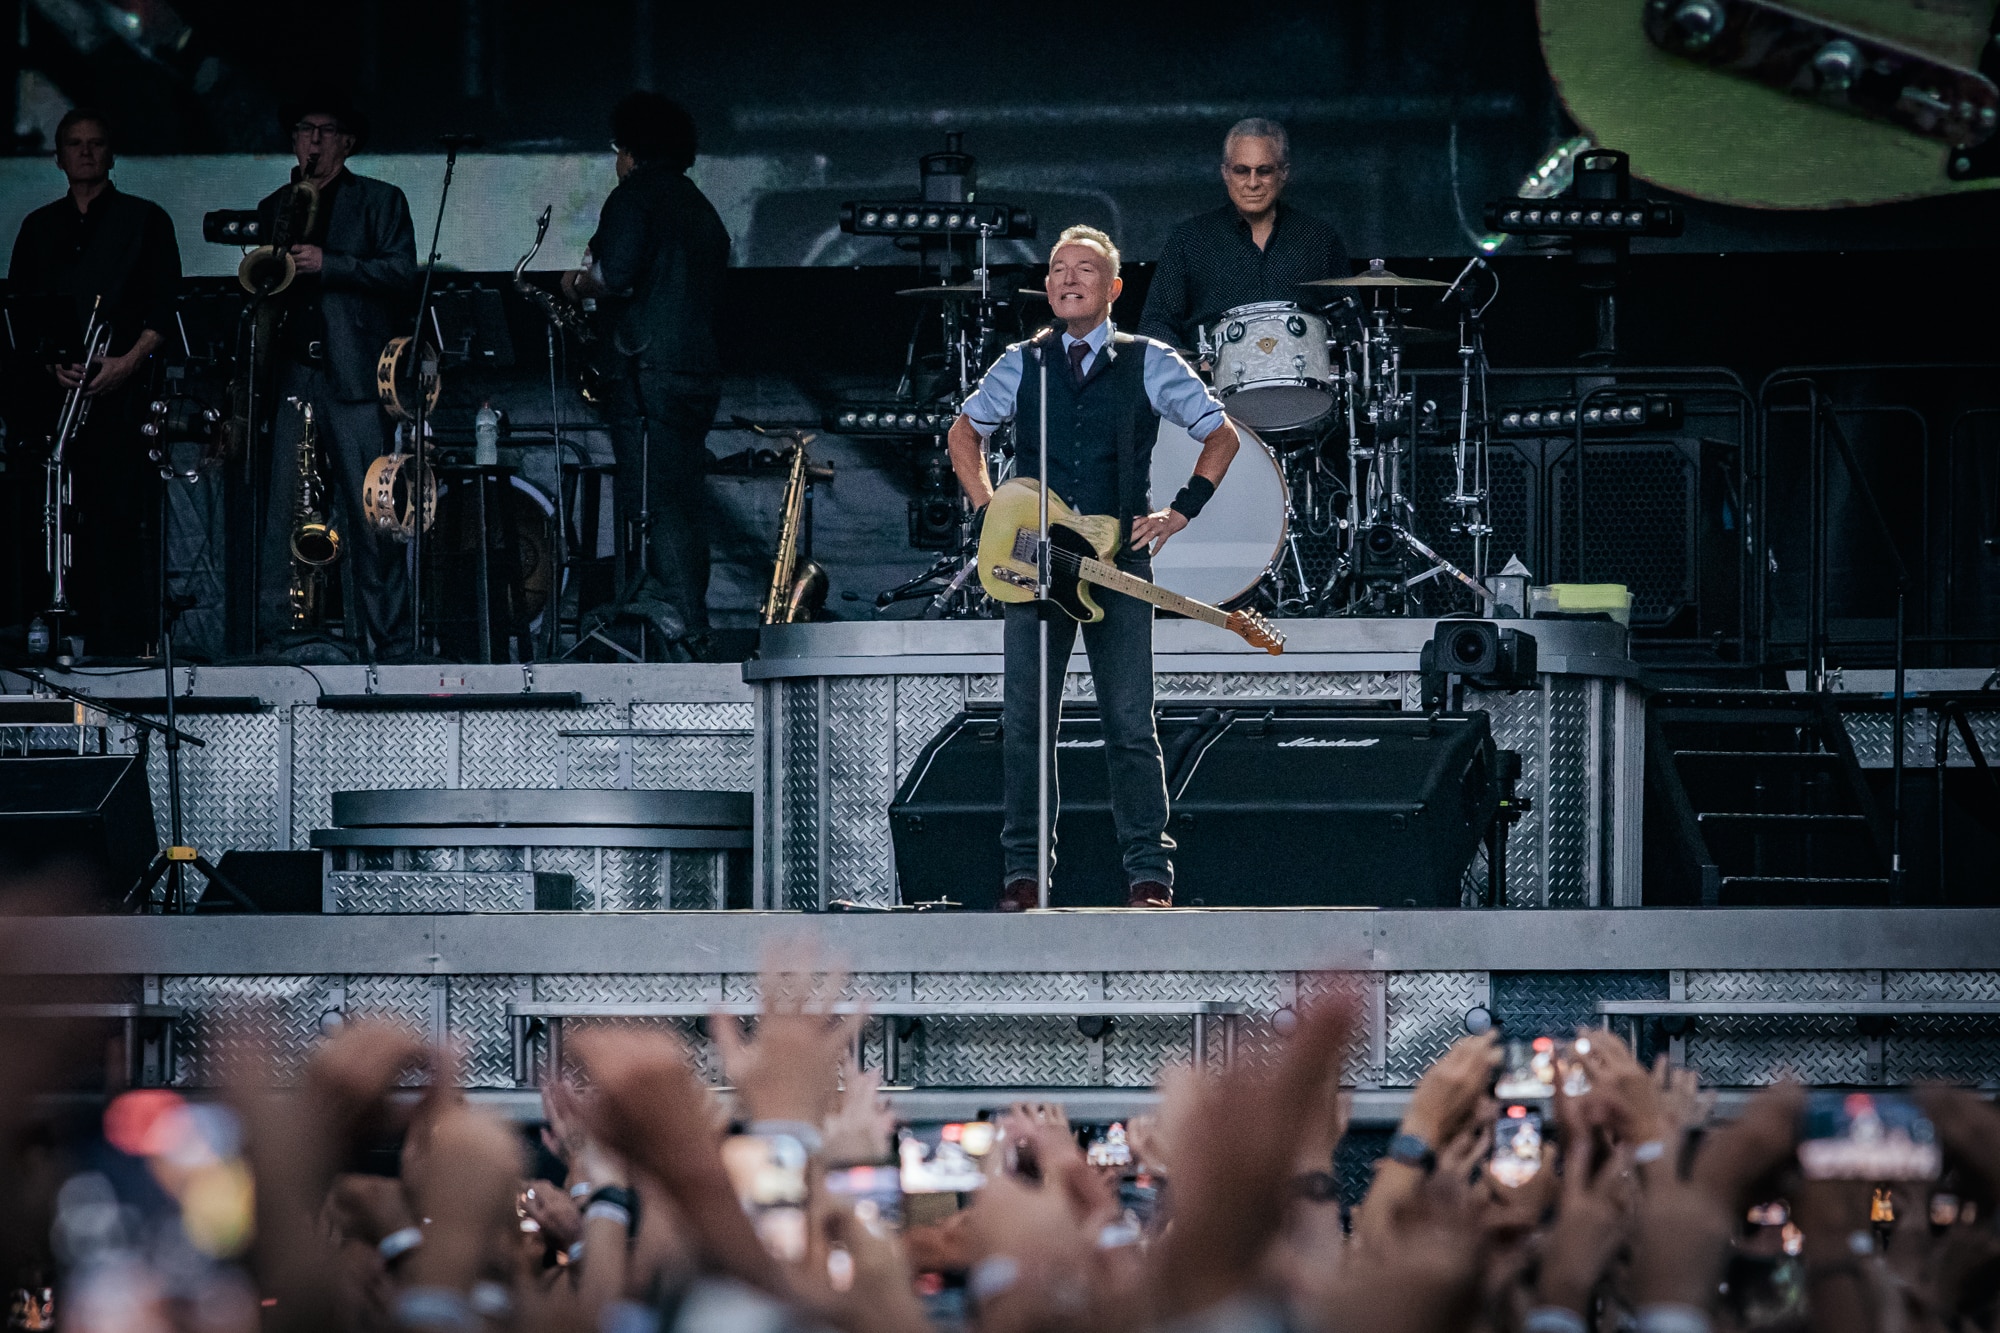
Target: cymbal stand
x,y
1474,517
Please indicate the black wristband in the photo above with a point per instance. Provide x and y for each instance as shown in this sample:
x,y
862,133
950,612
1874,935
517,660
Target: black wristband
x,y
1194,496
618,1197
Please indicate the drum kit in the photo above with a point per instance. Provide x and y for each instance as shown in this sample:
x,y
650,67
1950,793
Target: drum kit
x,y
1316,515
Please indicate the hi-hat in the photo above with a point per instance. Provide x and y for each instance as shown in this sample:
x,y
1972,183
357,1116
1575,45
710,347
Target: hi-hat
x,y
1377,276
960,291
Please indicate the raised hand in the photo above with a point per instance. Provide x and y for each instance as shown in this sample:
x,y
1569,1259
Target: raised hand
x,y
790,1069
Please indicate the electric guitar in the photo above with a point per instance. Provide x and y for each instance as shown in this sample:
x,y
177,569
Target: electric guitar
x,y
1802,104
1080,551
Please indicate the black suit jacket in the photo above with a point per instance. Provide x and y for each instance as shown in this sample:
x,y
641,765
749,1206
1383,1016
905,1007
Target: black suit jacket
x,y
368,279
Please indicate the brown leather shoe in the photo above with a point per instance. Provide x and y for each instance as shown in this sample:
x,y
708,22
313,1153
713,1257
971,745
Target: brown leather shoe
x,y
1020,895
1149,893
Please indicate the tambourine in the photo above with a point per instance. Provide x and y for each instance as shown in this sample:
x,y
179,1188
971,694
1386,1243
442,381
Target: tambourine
x,y
388,499
393,375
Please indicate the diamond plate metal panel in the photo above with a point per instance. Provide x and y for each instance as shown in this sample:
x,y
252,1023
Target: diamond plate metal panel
x,y
593,761
408,891
1516,721
1279,685
477,1021
998,1052
229,786
1780,986
405,1001
861,767
1426,1014
1941,985
250,1028
1004,985
623,987
521,749
490,859
1354,1159
798,871
1258,1040
742,987
1260,990
1749,1052
1136,1049
1571,788
1872,735
694,763
695,879
335,751
924,704
1529,1003
630,879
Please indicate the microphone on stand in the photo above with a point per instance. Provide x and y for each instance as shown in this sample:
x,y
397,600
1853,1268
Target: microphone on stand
x,y
1464,273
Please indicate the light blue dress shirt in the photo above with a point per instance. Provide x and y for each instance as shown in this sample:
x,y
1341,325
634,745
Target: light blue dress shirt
x,y
1172,387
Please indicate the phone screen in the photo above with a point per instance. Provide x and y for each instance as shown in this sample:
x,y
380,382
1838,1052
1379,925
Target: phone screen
x,y
876,1193
1109,1148
945,1159
1527,1071
1867,1136
768,1172
1517,1145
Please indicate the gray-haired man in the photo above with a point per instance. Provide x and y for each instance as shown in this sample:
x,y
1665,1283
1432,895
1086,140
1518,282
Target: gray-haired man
x,y
1253,248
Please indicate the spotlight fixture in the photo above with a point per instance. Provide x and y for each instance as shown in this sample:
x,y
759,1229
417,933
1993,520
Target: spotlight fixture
x,y
1604,412
907,217
232,226
1576,217
890,419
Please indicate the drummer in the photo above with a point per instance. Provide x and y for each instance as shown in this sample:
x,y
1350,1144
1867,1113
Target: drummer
x,y
1253,248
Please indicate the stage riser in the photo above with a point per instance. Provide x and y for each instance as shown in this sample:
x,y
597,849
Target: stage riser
x,y
1408,1020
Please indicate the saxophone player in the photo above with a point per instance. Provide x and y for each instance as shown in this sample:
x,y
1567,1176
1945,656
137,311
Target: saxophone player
x,y
356,271
98,244
660,251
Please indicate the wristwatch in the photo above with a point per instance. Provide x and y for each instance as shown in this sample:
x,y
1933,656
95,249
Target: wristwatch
x,y
1411,1150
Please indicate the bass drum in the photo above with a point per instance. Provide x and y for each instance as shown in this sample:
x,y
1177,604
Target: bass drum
x,y
1226,552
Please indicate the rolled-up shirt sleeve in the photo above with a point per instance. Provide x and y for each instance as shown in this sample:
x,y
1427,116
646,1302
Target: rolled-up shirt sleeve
x,y
991,405
1178,394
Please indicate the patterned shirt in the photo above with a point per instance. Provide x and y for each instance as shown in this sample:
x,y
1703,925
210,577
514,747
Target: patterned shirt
x,y
1210,265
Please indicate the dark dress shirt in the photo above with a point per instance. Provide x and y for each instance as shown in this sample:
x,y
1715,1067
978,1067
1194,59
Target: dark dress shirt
x,y
123,249
661,250
1210,265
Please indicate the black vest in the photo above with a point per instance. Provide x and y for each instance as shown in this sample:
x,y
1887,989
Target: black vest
x,y
1100,432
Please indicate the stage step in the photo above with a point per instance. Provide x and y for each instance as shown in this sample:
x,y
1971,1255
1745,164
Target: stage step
x,y
1754,798
365,891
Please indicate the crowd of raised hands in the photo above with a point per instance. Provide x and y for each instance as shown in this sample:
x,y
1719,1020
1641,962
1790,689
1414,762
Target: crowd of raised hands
x,y
1642,1210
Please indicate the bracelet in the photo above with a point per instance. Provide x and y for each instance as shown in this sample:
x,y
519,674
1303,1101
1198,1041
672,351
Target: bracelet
x,y
1412,1150
1554,1319
1194,496
575,1253
581,1190
606,1210
1652,1150
434,1307
991,1276
1672,1318
399,1243
807,1135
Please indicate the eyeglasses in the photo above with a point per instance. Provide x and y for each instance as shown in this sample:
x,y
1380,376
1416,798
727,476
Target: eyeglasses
x,y
1243,171
306,129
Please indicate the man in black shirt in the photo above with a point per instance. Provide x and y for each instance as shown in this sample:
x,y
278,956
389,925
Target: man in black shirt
x,y
1253,248
357,270
98,242
659,255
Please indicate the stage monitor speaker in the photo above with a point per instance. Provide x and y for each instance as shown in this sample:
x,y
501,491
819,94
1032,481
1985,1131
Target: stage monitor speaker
x,y
1296,805
288,882
93,813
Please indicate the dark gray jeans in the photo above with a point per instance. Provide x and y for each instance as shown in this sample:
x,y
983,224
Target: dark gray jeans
x,y
1121,662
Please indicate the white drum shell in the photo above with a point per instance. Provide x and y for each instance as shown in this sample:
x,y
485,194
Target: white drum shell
x,y
1225,552
1272,365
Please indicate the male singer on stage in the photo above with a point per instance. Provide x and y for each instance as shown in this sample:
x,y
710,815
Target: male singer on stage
x,y
1107,392
1253,248
95,242
658,259
355,290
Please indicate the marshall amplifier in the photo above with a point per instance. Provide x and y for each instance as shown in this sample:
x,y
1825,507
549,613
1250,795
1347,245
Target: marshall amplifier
x,y
1287,805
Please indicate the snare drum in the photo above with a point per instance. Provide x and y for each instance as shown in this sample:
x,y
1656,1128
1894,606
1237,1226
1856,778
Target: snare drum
x,y
1272,367
1227,551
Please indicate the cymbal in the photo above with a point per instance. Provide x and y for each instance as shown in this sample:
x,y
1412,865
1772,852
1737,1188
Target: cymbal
x,y
960,291
1376,276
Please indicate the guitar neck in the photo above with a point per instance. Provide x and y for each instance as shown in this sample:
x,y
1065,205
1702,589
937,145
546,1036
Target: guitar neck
x,y
1110,576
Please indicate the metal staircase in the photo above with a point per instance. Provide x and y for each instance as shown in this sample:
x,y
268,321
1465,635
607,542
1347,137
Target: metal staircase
x,y
1754,798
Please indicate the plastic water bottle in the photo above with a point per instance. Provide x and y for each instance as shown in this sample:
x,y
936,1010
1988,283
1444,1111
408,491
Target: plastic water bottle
x,y
486,436
38,638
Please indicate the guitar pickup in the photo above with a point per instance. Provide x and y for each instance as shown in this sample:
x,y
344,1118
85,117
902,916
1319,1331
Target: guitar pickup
x,y
1019,580
1028,547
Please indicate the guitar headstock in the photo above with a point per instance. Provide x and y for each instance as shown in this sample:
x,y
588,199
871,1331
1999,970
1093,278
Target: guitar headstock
x,y
1257,631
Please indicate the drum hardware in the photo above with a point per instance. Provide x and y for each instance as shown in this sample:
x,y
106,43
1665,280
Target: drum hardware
x,y
58,485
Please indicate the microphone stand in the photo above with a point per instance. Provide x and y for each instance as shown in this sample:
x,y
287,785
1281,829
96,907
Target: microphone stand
x,y
452,143
1044,747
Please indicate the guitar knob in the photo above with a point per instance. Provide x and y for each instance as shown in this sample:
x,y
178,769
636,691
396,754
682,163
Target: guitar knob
x,y
1700,21
1836,64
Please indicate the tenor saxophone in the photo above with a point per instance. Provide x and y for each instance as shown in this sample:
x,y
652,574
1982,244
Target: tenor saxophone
x,y
315,541
798,588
